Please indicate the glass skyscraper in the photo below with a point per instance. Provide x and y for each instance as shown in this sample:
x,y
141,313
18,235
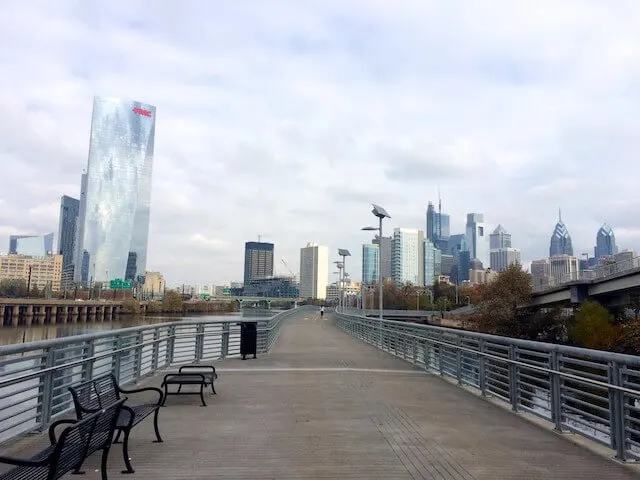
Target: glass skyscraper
x,y
560,243
370,263
69,208
605,242
115,202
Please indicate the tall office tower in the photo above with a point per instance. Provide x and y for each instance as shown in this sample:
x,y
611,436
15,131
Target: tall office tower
x,y
385,251
560,243
258,261
477,238
370,263
429,262
499,238
501,254
563,268
314,271
540,272
605,242
69,209
438,226
407,256
115,200
31,245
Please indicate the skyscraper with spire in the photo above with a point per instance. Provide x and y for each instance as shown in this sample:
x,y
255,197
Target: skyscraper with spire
x,y
560,243
605,242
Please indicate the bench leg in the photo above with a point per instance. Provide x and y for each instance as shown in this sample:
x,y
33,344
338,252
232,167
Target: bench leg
x,y
103,465
77,471
117,439
125,453
166,392
204,404
213,389
155,426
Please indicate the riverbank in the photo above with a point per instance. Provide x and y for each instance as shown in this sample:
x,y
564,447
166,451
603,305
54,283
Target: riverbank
x,y
173,303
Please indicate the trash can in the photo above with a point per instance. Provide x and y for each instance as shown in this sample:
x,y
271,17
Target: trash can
x,y
248,339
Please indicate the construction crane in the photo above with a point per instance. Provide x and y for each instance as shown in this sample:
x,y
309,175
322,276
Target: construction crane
x,y
293,275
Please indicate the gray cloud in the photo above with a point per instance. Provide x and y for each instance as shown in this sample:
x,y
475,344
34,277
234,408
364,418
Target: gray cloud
x,y
288,119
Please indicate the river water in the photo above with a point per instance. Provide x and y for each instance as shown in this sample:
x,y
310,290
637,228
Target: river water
x,y
13,335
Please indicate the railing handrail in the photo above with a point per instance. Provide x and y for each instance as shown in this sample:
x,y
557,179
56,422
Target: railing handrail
x,y
43,344
600,355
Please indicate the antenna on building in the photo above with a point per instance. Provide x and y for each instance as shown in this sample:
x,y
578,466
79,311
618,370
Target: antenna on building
x,y
259,237
559,215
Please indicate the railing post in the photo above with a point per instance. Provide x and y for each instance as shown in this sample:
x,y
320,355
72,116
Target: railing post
x,y
137,367
513,378
87,367
199,349
155,348
458,361
171,342
617,412
482,374
555,397
46,389
224,345
116,358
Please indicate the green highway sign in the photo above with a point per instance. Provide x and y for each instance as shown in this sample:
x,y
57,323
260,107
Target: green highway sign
x,y
119,284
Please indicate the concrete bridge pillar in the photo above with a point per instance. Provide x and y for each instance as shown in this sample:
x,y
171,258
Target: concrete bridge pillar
x,y
84,314
15,315
579,294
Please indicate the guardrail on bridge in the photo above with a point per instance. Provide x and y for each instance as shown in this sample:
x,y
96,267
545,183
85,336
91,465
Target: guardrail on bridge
x,y
35,376
592,393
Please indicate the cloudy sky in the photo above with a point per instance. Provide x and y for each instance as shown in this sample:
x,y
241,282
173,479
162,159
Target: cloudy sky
x,y
286,119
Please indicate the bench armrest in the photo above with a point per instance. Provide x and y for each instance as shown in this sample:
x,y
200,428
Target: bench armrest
x,y
54,425
21,462
145,389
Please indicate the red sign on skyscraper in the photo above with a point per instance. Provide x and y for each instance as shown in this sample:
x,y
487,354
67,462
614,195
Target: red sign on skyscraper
x,y
142,111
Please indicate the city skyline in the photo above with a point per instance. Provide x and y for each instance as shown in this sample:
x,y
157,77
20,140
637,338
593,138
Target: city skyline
x,y
500,119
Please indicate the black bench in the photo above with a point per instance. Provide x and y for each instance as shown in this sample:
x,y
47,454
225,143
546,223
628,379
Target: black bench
x,y
77,441
209,372
91,396
183,378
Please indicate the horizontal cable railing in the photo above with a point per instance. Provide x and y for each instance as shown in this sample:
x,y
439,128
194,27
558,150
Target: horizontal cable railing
x,y
35,376
591,393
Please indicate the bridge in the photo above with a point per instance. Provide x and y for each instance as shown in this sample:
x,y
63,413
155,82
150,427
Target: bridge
x,y
612,284
346,396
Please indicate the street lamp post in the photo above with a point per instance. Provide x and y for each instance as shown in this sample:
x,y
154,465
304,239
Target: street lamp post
x,y
381,213
344,253
340,267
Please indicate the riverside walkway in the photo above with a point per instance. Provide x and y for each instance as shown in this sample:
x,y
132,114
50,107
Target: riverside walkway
x,y
323,405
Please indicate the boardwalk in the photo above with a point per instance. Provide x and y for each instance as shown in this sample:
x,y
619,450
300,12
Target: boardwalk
x,y
325,406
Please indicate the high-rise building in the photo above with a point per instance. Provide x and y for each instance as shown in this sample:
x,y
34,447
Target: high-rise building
x,y
370,263
457,243
502,258
477,237
438,227
429,262
540,272
499,239
563,268
501,254
31,245
314,271
258,261
69,209
407,256
560,243
115,200
385,251
605,242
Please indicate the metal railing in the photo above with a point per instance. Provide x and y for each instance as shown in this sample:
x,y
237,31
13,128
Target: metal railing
x,y
594,275
591,393
35,376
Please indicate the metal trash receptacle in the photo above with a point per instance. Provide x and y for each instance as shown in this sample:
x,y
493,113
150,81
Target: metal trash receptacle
x,y
248,339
